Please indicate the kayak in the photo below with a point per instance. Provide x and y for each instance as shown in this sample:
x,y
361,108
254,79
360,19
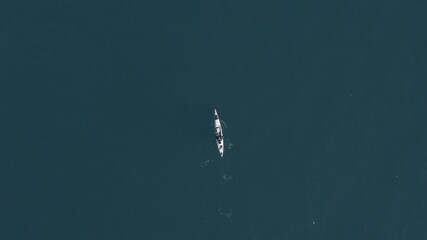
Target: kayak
x,y
219,136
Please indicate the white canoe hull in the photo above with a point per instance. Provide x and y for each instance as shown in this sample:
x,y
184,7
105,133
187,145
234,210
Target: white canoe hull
x,y
219,136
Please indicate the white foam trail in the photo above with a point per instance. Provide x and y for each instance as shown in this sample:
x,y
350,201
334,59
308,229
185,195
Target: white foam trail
x,y
228,213
205,163
225,124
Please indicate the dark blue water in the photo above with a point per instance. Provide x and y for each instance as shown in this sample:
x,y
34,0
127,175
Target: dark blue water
x,y
106,113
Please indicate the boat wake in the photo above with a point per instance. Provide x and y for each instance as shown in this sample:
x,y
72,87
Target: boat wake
x,y
227,177
206,163
226,201
225,124
227,213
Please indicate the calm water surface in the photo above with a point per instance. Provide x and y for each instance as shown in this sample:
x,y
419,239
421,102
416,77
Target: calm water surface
x,y
106,113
